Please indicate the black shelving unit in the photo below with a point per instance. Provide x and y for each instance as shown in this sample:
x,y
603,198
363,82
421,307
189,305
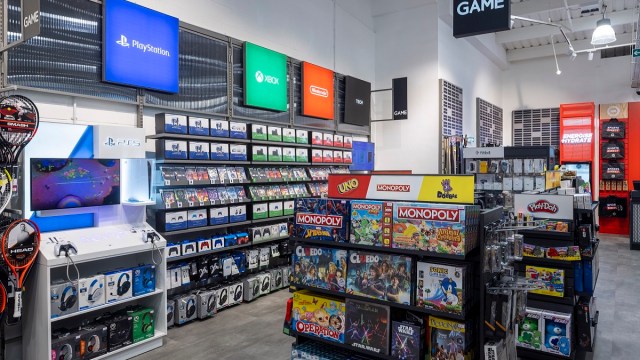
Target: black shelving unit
x,y
304,337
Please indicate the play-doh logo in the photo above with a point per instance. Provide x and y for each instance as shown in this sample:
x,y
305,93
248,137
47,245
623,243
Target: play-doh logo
x,y
543,206
348,186
364,259
319,220
393,188
418,213
306,328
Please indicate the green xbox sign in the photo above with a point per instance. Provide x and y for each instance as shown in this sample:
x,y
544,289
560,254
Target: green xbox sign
x,y
265,78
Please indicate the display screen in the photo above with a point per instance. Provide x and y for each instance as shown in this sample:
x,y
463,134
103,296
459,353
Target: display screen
x,y
140,46
265,78
357,102
74,183
583,176
317,91
363,156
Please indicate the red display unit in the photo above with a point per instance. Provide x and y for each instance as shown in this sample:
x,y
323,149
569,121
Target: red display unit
x,y
577,132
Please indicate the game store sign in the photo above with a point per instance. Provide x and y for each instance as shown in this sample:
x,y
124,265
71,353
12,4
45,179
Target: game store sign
x,y
544,206
475,17
454,189
265,78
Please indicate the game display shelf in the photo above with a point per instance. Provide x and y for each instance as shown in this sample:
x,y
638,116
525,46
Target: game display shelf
x,y
380,283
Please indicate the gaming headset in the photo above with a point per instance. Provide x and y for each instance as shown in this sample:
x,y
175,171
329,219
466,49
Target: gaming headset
x,y
119,334
170,314
95,293
278,279
256,287
67,301
266,284
211,303
146,326
222,301
191,307
65,352
237,295
123,287
93,345
147,278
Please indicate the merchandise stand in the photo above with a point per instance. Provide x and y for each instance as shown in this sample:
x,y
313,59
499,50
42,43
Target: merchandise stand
x,y
365,189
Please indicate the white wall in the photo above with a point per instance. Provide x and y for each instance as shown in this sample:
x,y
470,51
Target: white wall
x,y
463,65
534,84
406,45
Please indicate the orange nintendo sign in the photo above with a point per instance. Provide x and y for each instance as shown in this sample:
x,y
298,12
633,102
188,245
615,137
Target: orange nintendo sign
x,y
317,91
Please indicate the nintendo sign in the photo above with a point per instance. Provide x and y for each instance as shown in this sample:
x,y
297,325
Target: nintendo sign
x,y
545,206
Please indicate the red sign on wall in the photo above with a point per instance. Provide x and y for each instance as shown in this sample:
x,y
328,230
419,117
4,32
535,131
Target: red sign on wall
x,y
577,132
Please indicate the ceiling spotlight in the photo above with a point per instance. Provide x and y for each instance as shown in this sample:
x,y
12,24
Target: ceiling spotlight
x,y
558,72
574,55
590,55
604,33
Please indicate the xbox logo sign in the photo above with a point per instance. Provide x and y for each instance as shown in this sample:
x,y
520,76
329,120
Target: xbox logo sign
x,y
260,78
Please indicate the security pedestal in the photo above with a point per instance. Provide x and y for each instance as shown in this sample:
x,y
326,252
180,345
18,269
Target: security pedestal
x,y
634,236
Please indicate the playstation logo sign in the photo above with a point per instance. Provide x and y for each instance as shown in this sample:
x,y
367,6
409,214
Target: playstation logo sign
x,y
122,142
123,41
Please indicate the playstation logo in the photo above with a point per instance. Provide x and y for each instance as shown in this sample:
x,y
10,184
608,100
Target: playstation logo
x,y
110,142
123,41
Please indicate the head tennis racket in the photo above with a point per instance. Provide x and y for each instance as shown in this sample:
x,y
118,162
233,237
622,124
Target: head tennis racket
x,y
20,245
19,120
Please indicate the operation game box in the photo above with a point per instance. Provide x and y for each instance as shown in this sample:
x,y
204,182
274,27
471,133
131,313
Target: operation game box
x,y
319,316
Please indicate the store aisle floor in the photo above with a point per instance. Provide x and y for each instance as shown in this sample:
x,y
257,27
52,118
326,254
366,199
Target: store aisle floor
x,y
254,331
250,331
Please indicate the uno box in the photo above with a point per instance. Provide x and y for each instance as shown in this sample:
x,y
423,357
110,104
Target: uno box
x,y
64,298
369,219
198,126
173,124
288,154
302,136
219,151
556,333
327,156
189,247
237,213
259,153
143,324
288,207
118,285
327,139
175,221
338,141
218,216
275,209
275,153
324,310
347,157
173,250
348,142
275,133
217,242
322,219
91,292
198,150
238,130
316,155
238,152
289,135
172,149
197,218
204,245
219,128
440,228
258,132
302,155
119,331
144,280
93,341
260,211
337,157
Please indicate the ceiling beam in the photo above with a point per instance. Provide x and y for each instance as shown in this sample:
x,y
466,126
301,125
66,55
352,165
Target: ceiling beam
x,y
562,49
579,24
535,6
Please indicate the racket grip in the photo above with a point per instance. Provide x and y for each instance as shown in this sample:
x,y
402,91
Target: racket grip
x,y
17,309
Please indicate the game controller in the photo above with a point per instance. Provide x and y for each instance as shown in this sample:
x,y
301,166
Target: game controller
x,y
67,249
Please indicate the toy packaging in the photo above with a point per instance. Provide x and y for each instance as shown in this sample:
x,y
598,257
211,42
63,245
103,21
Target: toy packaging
x,y
320,267
219,128
327,139
553,280
443,287
323,317
258,132
288,154
322,219
198,126
91,292
169,123
197,218
406,340
143,324
557,332
175,221
144,280
238,130
275,153
447,338
289,135
529,331
348,142
380,276
367,327
368,219
440,228
219,151
327,156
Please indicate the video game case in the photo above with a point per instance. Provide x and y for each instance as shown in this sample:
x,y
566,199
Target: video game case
x,y
380,276
367,326
443,286
323,268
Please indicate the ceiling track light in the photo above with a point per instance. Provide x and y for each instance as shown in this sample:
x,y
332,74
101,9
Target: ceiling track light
x,y
590,55
603,33
555,56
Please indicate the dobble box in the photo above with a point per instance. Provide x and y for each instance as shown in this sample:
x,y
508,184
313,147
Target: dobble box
x,y
322,219
319,316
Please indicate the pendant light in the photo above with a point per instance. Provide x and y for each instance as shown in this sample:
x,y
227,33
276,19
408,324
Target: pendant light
x,y
604,33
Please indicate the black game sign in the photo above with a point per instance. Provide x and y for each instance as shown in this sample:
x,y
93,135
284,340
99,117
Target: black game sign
x,y
475,17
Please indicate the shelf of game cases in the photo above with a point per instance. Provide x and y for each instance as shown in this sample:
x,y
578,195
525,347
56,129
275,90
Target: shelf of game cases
x,y
348,348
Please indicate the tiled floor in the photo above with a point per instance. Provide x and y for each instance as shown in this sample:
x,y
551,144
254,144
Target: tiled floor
x,y
254,331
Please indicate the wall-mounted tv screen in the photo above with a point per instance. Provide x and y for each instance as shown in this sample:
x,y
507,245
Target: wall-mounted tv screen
x,y
357,100
74,183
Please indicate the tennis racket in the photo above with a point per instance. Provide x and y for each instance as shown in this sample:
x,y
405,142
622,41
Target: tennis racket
x,y
20,245
6,188
19,120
